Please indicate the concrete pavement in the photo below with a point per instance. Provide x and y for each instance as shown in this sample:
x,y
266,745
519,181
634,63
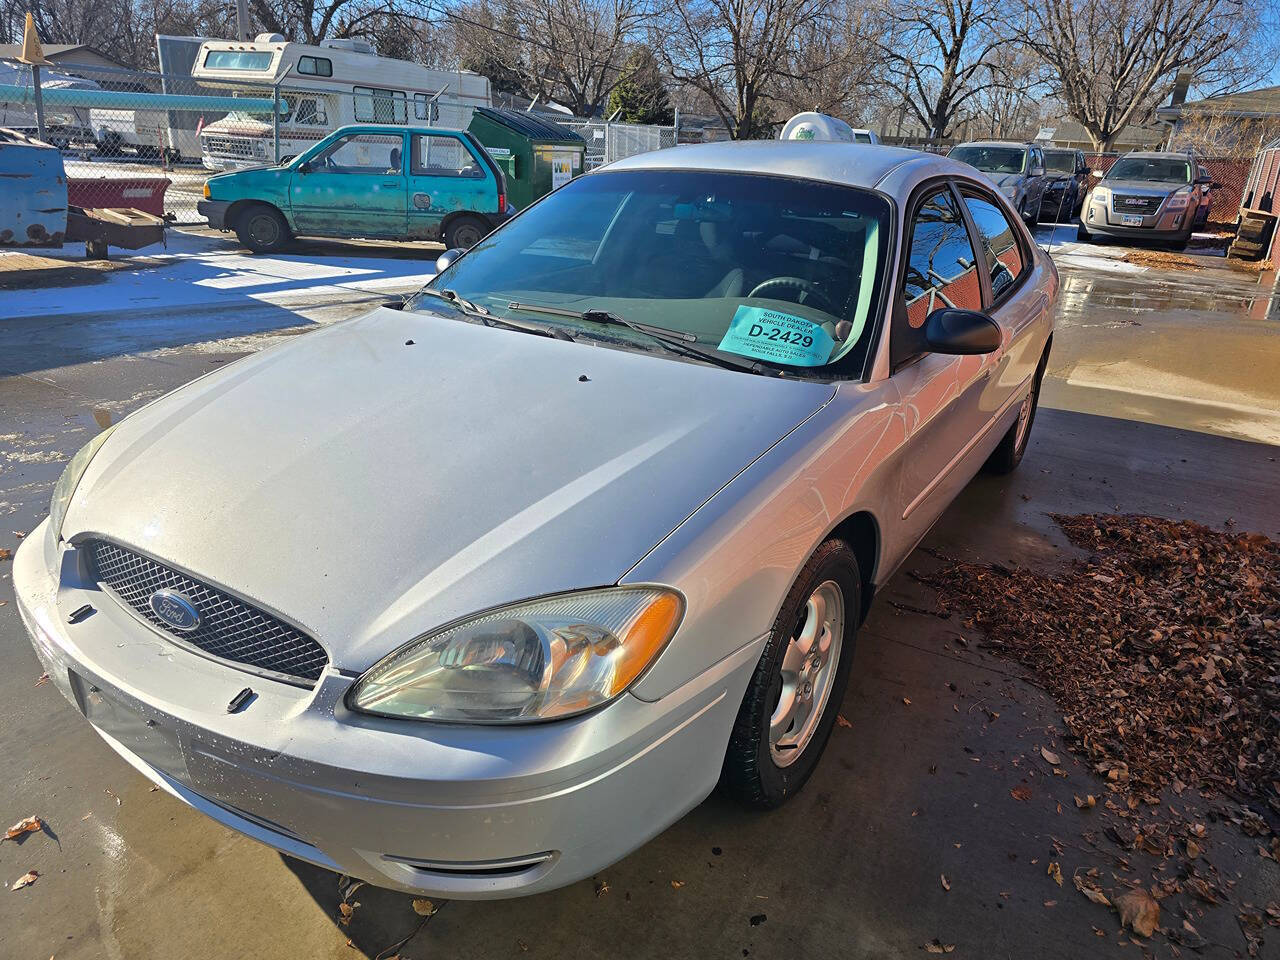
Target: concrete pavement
x,y
853,866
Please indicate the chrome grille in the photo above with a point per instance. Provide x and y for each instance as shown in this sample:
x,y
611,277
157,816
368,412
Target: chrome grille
x,y
229,629
1124,203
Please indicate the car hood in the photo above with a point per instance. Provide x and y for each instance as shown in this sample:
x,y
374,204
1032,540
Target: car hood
x,y
1003,180
1140,188
378,478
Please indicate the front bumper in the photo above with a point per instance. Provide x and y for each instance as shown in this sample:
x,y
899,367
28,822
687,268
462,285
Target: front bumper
x,y
444,810
215,211
1098,217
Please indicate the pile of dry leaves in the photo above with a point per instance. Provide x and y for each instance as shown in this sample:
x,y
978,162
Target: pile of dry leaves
x,y
1162,647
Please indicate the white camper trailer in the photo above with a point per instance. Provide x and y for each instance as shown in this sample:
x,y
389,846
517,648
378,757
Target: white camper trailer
x,y
337,83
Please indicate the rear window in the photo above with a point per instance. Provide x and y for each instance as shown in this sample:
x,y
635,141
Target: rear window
x,y
990,159
1060,161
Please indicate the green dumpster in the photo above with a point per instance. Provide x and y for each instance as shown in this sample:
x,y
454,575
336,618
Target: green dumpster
x,y
536,155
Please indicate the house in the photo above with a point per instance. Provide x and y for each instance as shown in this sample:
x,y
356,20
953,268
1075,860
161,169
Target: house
x,y
1071,133
67,56
1231,124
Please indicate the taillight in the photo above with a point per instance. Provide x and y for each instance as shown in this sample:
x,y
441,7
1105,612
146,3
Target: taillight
x,y
502,202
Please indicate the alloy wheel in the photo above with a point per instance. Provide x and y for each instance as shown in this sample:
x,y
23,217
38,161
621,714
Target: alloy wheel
x,y
808,673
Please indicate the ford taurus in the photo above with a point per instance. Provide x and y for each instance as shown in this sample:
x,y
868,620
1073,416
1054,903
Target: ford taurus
x,y
474,597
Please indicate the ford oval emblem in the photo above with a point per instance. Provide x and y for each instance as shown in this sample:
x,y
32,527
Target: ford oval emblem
x,y
175,609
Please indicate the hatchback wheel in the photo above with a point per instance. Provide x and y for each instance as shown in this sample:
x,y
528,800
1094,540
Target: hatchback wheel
x,y
794,696
463,233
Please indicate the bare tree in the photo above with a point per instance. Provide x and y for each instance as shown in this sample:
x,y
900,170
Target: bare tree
x,y
569,50
1112,61
939,54
736,52
833,62
1007,105
1213,132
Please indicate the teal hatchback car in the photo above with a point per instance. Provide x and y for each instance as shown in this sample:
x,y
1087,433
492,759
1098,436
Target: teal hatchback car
x,y
378,181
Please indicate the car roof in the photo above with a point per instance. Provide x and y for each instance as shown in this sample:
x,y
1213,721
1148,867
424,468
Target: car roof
x,y
1160,154
995,143
849,164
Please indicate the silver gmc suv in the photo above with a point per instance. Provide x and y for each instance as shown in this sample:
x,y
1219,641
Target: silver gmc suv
x,y
1146,196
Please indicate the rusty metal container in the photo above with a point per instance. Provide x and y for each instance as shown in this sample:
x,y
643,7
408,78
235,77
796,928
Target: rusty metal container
x,y
33,192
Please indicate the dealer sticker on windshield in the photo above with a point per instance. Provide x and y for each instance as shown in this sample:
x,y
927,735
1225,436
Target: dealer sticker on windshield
x,y
777,337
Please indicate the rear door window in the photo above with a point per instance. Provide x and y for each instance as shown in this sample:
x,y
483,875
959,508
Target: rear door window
x,y
1005,262
441,156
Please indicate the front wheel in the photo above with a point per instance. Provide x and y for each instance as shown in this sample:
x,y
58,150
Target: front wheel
x,y
795,693
263,229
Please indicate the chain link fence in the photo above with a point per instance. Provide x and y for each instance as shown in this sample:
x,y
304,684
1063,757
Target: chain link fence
x,y
132,138
607,141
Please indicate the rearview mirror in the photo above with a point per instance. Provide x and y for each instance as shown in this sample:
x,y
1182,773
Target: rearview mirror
x,y
445,259
954,331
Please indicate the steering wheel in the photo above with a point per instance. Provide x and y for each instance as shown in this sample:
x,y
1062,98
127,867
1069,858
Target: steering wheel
x,y
796,290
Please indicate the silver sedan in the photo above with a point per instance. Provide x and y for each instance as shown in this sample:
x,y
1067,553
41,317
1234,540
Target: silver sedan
x,y
474,597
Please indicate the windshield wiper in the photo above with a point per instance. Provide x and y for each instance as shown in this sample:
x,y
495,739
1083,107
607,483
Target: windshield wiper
x,y
677,341
489,320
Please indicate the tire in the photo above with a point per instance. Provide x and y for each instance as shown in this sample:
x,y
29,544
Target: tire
x,y
1083,235
762,770
262,228
464,232
1006,457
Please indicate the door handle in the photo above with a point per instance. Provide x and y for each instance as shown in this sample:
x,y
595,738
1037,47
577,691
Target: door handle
x,y
391,183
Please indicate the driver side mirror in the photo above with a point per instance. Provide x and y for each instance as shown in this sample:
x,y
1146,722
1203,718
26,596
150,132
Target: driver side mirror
x,y
951,330
305,167
446,259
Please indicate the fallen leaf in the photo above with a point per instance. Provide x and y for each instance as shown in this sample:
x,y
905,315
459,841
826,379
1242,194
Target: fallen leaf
x,y
1088,801
1093,893
1055,871
937,946
27,825
946,884
19,534
1050,757
424,907
1021,792
1138,911
842,722
346,909
5,553
42,679
26,880
677,884
907,701
1193,849
602,887
108,792
1051,903
524,947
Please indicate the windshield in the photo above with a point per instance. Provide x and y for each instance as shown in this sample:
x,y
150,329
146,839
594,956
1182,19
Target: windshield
x,y
1060,161
773,269
1153,169
990,159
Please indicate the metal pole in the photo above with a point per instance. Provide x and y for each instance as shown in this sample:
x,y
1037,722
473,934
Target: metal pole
x,y
39,97
275,121
242,20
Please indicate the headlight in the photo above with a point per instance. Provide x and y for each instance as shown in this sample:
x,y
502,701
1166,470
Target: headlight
x,y
1180,198
537,660
1101,194
70,479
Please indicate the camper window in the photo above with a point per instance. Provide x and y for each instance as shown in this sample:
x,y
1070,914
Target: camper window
x,y
425,108
238,59
305,110
315,66
374,105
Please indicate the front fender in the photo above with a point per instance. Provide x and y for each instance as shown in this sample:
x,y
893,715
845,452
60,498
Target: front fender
x,y
736,558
